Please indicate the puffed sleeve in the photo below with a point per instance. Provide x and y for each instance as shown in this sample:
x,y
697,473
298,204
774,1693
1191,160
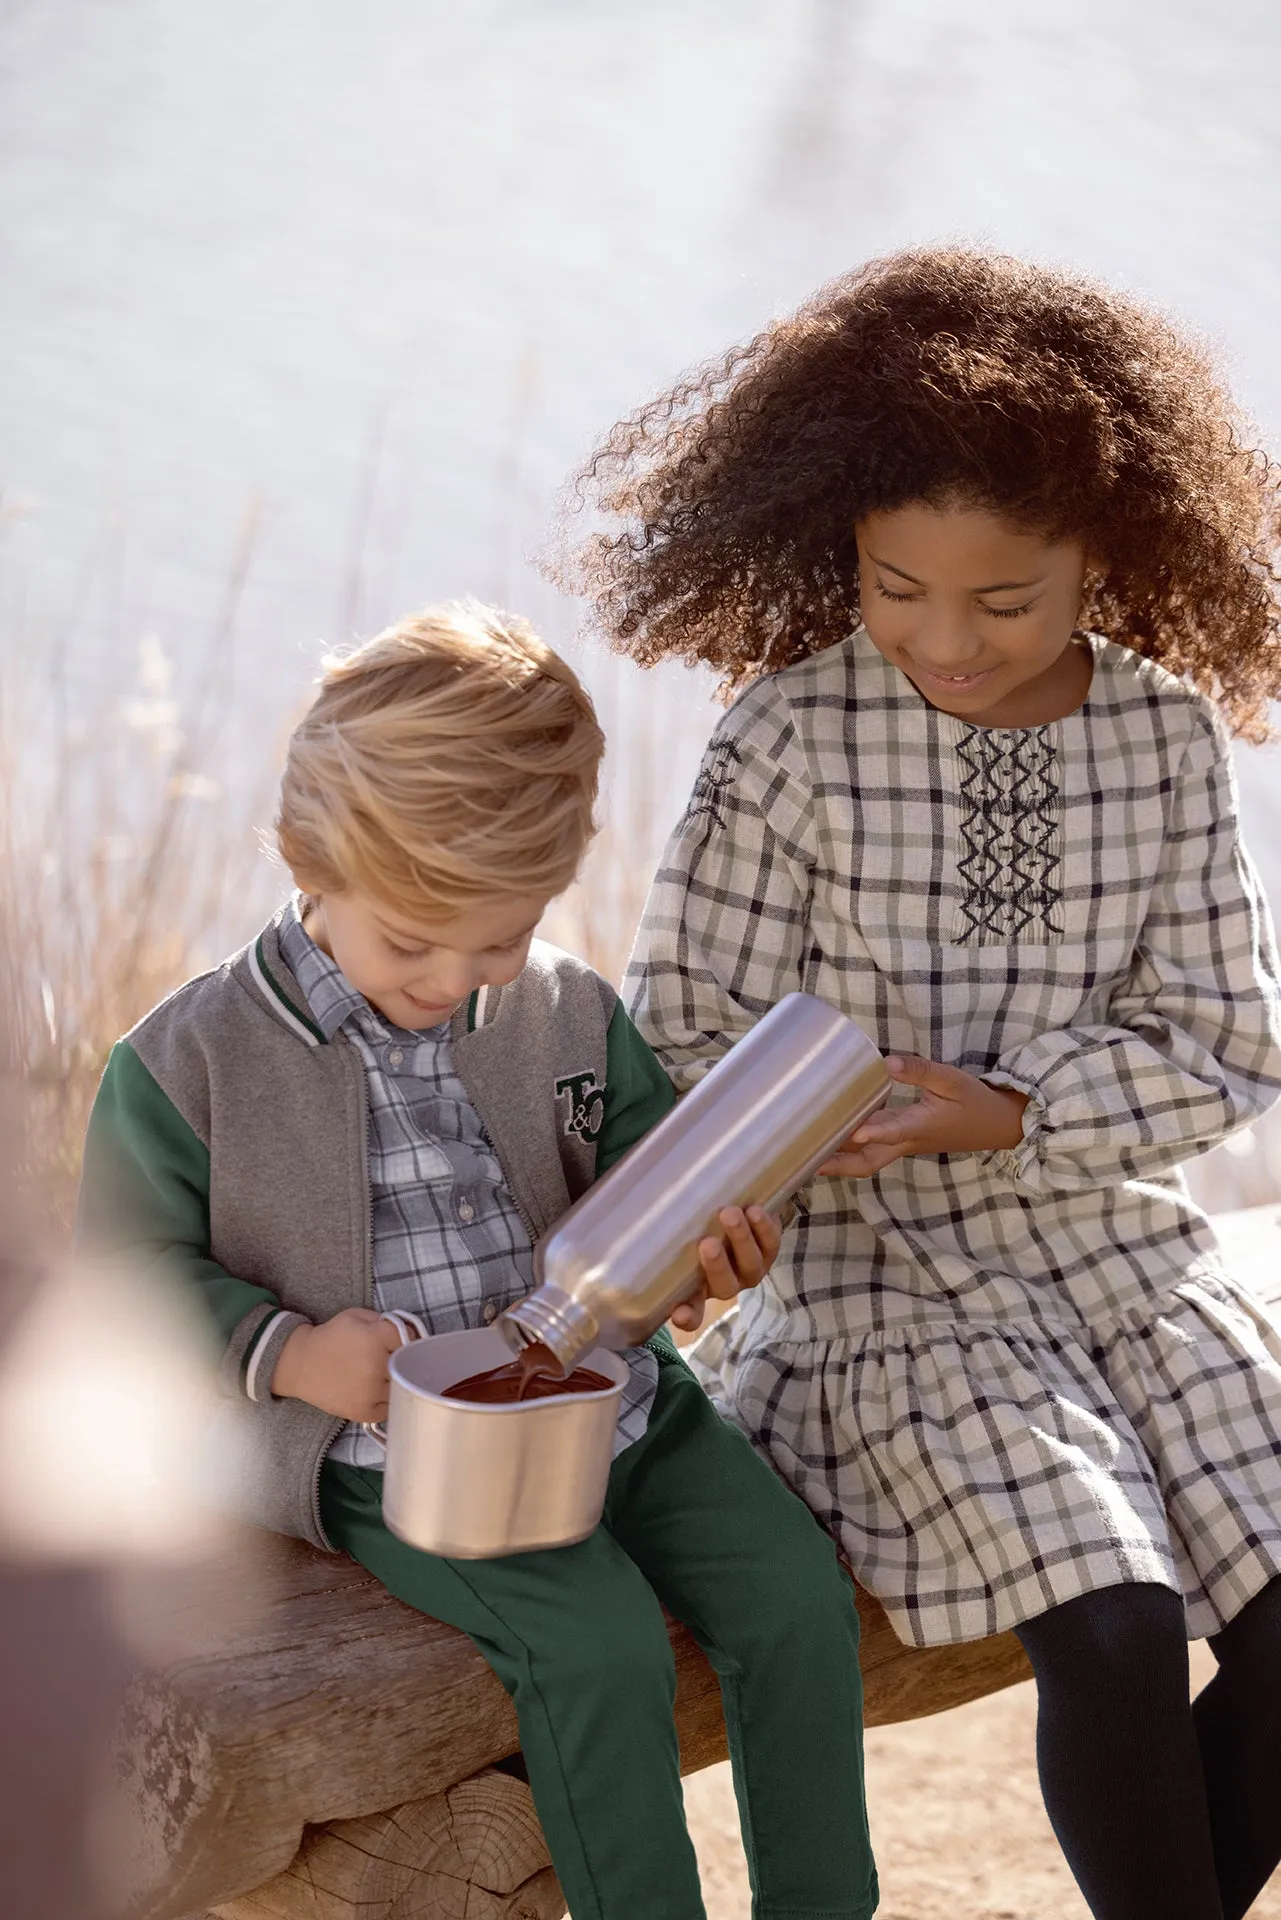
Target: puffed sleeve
x,y
723,933
1190,1050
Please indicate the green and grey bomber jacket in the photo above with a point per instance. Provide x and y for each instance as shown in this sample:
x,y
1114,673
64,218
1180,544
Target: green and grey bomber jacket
x,y
228,1145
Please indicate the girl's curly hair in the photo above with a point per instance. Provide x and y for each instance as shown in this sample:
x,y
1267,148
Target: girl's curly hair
x,y
939,374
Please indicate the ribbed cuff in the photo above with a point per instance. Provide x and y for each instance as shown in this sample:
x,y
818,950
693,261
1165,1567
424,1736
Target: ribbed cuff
x,y
264,1351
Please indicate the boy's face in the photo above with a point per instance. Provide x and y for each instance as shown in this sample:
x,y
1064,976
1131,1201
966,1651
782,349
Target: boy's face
x,y
416,971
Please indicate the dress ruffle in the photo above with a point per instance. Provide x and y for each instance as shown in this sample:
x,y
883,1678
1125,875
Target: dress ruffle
x,y
978,1473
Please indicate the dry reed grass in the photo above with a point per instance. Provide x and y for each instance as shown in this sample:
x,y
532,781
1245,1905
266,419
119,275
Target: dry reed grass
x,y
122,861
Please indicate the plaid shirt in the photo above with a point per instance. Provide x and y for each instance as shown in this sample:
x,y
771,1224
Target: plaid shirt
x,y
979,1369
448,1242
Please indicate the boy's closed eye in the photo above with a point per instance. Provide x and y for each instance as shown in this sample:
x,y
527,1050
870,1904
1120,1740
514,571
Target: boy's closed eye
x,y
421,953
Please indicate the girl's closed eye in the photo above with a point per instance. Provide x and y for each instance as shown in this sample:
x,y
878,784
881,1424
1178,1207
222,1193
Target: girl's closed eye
x,y
407,953
887,593
1009,613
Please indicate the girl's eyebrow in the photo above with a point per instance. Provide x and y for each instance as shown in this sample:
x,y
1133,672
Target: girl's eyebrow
x,y
1002,586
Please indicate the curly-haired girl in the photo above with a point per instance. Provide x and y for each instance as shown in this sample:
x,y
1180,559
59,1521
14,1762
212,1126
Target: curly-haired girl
x,y
991,555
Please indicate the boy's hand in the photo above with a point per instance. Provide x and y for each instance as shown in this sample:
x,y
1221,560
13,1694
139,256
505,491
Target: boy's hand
x,y
956,1113
339,1366
742,1259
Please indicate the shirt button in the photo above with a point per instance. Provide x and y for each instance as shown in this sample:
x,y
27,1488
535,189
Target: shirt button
x,y
394,1056
466,1212
490,1312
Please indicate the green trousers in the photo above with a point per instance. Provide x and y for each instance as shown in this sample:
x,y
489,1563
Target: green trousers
x,y
695,1520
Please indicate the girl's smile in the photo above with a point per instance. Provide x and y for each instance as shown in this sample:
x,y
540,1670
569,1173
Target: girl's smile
x,y
978,613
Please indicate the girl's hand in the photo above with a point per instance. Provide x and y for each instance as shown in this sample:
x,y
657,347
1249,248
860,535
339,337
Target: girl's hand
x,y
339,1366
956,1113
742,1259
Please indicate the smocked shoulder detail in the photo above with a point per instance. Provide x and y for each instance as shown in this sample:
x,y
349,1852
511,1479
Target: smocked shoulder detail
x,y
1011,858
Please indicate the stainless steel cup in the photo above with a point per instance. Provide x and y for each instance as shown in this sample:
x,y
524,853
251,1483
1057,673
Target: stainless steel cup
x,y
753,1131
476,1482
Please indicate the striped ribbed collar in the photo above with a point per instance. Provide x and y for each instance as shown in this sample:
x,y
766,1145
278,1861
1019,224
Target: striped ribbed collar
x,y
329,994
325,996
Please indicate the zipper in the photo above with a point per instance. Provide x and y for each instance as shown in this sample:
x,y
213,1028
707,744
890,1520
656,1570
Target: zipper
x,y
359,1069
321,1457
366,1201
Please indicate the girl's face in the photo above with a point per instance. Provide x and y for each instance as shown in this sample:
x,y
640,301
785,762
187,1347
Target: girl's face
x,y
978,614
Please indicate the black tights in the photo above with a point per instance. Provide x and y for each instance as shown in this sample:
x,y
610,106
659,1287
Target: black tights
x,y
1165,1810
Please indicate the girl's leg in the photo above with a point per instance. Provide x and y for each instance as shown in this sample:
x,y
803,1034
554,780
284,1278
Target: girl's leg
x,y
578,1639
1118,1757
745,1565
1238,1726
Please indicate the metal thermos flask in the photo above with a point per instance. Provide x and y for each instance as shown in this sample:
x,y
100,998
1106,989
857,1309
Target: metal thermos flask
x,y
750,1133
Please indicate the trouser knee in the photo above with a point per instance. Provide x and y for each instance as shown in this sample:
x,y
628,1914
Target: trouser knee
x,y
801,1607
622,1659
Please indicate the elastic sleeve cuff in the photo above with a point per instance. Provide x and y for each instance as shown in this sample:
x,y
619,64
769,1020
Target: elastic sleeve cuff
x,y
1015,1163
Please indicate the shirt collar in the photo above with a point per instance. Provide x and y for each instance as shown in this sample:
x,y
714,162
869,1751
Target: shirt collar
x,y
329,994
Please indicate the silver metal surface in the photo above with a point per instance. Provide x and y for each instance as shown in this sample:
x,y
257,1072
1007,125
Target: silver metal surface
x,y
753,1131
476,1482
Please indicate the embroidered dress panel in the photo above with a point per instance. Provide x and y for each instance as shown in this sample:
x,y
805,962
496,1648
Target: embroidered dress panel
x,y
1011,832
1001,1379
448,1241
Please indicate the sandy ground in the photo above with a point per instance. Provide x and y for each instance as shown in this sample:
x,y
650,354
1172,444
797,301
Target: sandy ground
x,y
957,1821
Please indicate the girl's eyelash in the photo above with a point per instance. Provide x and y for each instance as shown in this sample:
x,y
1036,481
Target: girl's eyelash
x,y
997,613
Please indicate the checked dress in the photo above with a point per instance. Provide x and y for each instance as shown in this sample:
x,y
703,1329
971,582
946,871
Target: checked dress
x,y
1001,1379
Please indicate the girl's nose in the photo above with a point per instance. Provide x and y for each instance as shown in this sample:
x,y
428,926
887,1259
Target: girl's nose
x,y
947,644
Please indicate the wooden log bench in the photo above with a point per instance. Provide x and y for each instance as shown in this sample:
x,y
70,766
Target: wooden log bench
x,y
313,1747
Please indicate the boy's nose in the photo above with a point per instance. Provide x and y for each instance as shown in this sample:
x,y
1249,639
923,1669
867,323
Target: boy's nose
x,y
446,983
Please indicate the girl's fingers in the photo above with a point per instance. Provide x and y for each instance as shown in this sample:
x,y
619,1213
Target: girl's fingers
x,y
897,1126
862,1161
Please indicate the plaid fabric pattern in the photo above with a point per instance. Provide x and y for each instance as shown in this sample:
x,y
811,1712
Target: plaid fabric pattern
x,y
972,1365
448,1242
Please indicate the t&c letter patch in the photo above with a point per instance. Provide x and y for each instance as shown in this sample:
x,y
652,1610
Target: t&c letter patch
x,y
586,1103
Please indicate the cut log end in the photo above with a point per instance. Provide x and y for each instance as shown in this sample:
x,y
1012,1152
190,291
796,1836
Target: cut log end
x,y
474,1853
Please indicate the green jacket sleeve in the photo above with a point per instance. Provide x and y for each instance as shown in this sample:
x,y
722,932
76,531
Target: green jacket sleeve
x,y
637,1091
144,1193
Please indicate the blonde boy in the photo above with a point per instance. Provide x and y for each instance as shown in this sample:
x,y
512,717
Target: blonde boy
x,y
382,1103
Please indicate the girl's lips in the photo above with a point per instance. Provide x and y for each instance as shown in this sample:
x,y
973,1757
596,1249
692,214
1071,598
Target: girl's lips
x,y
954,682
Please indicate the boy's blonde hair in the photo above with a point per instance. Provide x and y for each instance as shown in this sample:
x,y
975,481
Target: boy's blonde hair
x,y
451,760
